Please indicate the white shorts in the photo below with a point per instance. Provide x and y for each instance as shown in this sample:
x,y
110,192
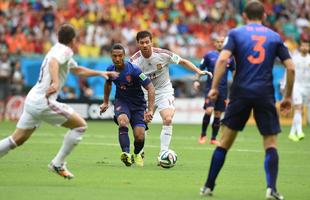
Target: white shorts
x,y
301,95
164,101
52,112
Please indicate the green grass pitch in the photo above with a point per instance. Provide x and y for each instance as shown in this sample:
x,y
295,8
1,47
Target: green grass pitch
x,y
99,173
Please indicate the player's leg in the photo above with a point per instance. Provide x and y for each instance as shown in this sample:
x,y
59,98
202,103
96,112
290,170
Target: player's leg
x,y
16,139
139,144
24,129
123,116
166,110
139,126
219,107
60,114
209,108
123,138
215,126
267,121
297,121
236,116
297,118
77,126
218,159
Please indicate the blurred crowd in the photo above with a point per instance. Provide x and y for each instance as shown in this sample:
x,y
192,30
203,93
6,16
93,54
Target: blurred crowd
x,y
186,27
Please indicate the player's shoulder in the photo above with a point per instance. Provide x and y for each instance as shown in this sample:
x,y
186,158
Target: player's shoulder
x,y
131,66
135,56
211,53
61,52
161,52
111,67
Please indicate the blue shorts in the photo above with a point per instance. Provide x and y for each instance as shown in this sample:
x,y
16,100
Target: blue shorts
x,y
135,115
265,114
219,104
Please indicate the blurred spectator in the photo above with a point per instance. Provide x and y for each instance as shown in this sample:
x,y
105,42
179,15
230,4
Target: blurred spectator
x,y
86,90
67,93
17,80
5,76
183,26
179,25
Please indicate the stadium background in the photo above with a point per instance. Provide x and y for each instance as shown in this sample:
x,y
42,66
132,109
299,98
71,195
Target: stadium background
x,y
28,29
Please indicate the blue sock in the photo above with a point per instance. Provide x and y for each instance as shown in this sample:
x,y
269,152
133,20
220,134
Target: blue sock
x,y
205,123
215,127
123,139
138,146
271,167
217,162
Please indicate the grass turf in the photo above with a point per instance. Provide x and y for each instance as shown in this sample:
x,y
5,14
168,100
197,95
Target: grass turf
x,y
101,175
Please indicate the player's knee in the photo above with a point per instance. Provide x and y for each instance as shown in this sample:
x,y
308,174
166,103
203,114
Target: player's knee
x,y
167,120
76,134
123,122
209,110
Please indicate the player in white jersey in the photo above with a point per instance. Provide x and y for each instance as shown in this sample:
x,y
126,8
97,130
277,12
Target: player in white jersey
x,y
301,91
154,62
41,105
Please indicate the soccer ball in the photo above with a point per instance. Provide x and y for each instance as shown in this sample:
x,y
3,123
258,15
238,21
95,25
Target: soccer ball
x,y
167,159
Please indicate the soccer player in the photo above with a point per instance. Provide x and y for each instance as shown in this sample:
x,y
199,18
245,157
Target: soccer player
x,y
154,62
130,105
218,106
41,105
255,48
301,90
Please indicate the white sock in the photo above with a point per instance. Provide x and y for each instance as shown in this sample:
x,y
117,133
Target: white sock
x,y
298,121
6,145
293,128
165,137
71,139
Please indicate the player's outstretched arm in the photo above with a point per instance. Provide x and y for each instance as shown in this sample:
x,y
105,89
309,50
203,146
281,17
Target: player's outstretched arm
x,y
286,103
53,70
85,72
189,65
148,116
219,71
107,90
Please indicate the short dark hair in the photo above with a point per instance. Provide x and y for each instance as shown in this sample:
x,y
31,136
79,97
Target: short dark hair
x,y
143,34
66,34
254,10
118,46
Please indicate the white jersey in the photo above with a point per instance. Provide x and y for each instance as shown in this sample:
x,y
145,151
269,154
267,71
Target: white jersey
x,y
156,67
63,54
302,70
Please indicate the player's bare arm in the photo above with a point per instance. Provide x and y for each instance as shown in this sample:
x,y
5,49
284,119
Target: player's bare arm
x,y
107,90
53,70
286,103
85,72
219,71
148,116
189,65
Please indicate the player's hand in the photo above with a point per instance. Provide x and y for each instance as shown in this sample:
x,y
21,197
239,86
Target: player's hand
x,y
104,107
148,116
52,89
111,75
203,73
213,93
286,106
196,85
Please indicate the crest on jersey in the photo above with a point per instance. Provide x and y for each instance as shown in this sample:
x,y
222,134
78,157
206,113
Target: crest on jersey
x,y
128,78
159,66
143,77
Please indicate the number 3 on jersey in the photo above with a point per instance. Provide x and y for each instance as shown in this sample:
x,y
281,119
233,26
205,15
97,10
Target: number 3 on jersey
x,y
259,48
